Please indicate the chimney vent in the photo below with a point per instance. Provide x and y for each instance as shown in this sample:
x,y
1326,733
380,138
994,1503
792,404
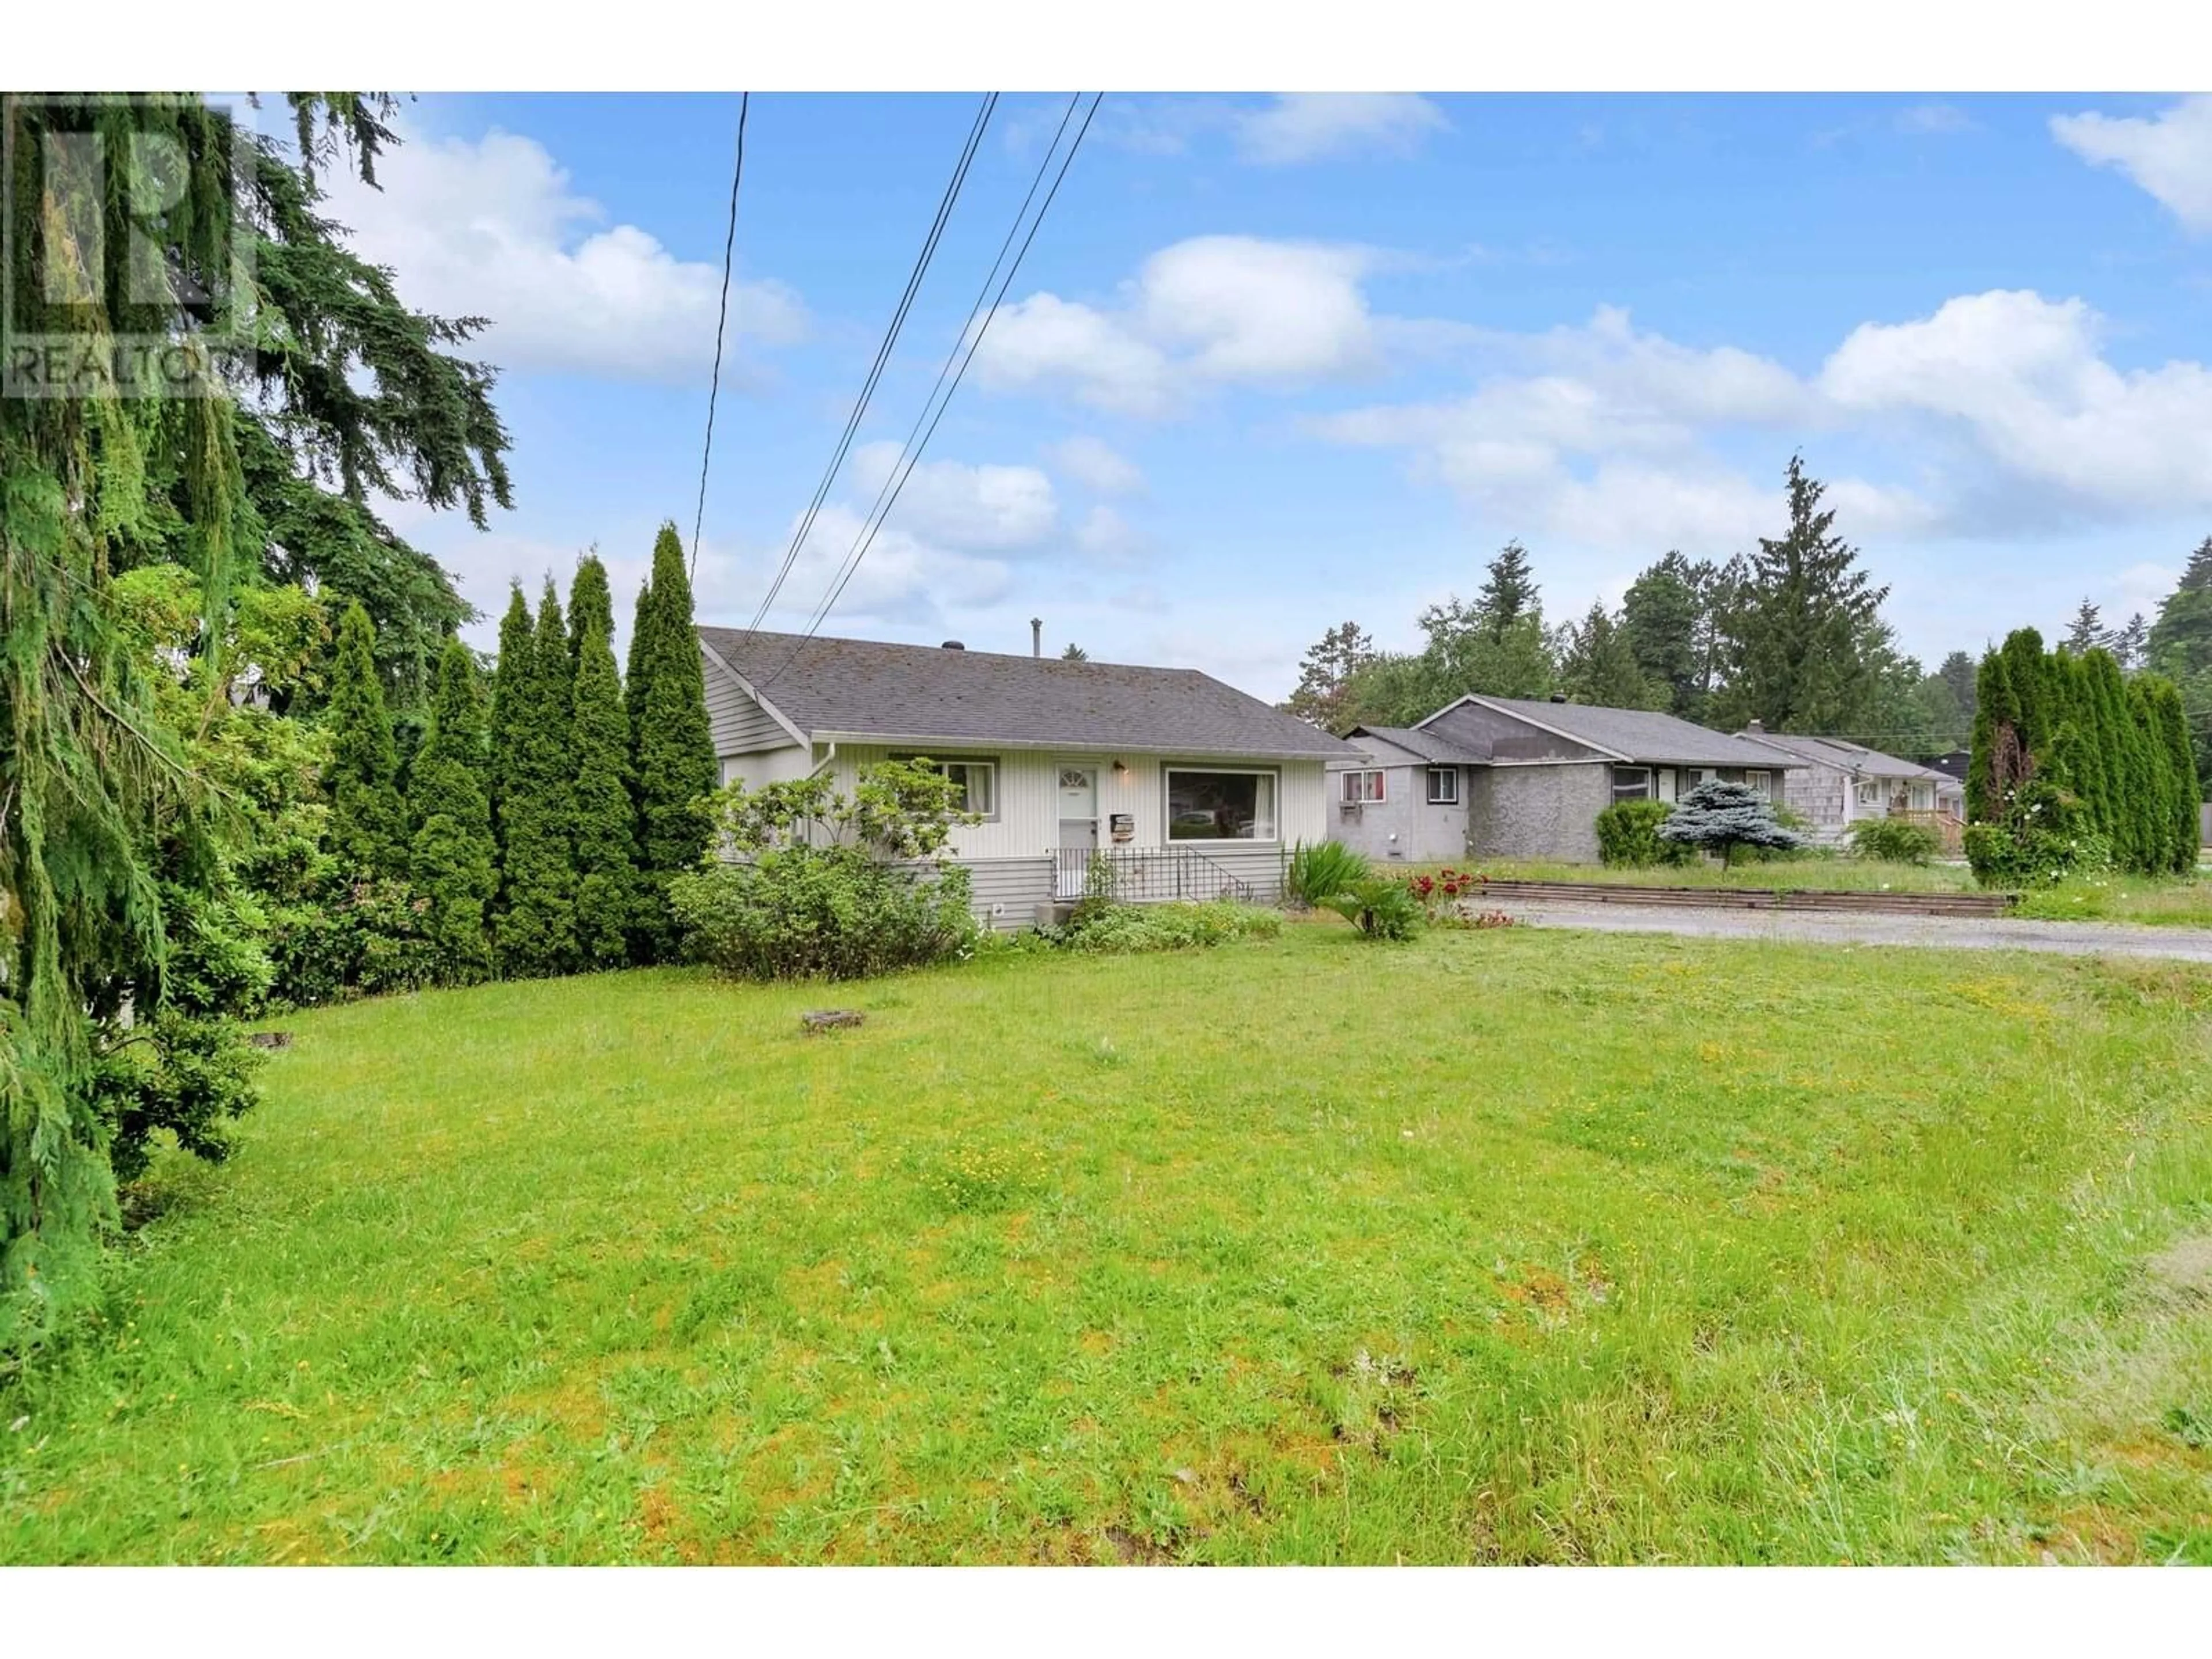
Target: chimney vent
x,y
1559,696
1036,636
953,645
1755,726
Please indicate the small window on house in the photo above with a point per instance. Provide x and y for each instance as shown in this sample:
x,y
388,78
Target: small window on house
x,y
1632,783
1869,794
1762,781
1692,777
976,780
1443,786
1361,787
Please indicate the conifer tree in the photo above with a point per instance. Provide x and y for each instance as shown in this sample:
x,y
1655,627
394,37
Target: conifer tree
x,y
604,816
509,698
537,932
368,822
454,864
674,763
1599,666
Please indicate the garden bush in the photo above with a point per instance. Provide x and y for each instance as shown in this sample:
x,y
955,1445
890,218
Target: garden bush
x,y
1321,870
2043,837
803,912
1894,841
358,938
1116,929
1628,835
1727,819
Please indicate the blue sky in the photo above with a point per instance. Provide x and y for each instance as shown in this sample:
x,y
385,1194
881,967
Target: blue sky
x,y
1274,362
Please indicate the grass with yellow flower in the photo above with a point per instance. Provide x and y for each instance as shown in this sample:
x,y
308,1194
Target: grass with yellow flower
x,y
1514,1246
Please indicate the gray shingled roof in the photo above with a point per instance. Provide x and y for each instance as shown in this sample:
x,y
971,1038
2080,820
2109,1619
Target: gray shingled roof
x,y
1431,746
1850,756
867,690
1642,735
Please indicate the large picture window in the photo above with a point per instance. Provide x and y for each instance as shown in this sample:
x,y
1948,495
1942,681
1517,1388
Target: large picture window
x,y
977,780
1632,783
1221,805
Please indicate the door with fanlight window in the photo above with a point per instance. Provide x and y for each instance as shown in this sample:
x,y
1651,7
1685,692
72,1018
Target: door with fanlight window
x,y
1078,825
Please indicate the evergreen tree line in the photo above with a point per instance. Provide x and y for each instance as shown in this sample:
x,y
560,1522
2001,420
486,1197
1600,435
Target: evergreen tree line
x,y
2112,752
1790,635
542,818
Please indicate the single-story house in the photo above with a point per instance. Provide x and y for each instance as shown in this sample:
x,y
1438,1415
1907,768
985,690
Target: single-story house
x,y
1844,783
1189,787
1407,797
1532,777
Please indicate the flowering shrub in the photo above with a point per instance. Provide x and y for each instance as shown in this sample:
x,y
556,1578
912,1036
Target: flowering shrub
x,y
2043,837
1445,889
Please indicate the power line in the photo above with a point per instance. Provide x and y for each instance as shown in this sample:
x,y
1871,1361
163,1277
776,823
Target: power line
x,y
721,322
973,339
883,356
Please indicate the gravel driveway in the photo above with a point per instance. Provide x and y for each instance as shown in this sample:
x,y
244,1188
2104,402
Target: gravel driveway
x,y
1845,927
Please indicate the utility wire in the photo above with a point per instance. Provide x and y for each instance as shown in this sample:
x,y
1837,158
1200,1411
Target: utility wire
x,y
883,356
721,322
972,338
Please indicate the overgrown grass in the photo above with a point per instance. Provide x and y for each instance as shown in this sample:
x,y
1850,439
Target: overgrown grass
x,y
2160,901
1522,1246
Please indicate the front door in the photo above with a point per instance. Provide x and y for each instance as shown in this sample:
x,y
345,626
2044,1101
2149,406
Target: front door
x,y
1078,825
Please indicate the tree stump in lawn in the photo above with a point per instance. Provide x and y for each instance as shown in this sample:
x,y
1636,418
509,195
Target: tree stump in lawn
x,y
830,1019
270,1039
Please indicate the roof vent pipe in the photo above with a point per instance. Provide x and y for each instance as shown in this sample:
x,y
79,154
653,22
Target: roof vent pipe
x,y
1036,636
954,644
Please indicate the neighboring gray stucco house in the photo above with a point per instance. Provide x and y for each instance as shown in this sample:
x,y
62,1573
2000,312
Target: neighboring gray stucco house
x,y
1842,783
1189,787
1404,797
1533,776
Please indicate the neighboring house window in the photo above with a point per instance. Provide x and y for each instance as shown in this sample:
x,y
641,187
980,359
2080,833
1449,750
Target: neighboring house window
x,y
1692,777
977,780
1632,783
1360,787
1924,796
1222,806
1762,781
1869,794
1443,786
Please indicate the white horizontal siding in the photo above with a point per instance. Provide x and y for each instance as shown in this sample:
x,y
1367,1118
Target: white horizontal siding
x,y
737,722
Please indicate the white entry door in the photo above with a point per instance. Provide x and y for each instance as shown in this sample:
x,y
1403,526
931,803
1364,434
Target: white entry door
x,y
1078,825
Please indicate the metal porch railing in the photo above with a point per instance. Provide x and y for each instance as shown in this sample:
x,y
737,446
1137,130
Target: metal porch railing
x,y
1145,875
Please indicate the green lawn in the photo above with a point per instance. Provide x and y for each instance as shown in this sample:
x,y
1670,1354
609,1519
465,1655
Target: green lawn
x,y
1511,1246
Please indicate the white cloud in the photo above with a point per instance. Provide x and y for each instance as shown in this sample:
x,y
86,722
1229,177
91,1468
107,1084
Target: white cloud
x,y
492,227
1097,465
2170,154
2021,377
1214,310
1106,536
1308,126
1606,436
975,508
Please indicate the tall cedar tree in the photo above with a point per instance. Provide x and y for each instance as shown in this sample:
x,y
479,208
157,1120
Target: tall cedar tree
x,y
1801,624
604,814
510,698
1600,667
349,387
455,861
368,821
1667,617
1497,644
537,932
673,748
